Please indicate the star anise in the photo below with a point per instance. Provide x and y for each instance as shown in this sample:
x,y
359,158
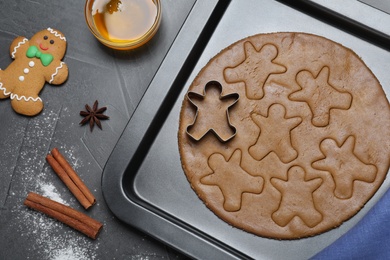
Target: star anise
x,y
93,115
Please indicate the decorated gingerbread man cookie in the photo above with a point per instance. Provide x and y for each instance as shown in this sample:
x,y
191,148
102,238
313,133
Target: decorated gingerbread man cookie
x,y
36,61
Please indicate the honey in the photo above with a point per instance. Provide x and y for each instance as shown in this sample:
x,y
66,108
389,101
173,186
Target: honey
x,y
123,24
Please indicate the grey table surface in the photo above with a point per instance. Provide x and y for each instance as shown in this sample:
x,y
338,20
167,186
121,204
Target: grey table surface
x,y
118,80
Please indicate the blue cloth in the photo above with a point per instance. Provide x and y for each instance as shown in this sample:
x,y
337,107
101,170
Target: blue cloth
x,y
369,239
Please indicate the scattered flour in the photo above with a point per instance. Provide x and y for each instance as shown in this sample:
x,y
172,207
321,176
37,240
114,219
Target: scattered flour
x,y
145,257
53,240
72,253
49,191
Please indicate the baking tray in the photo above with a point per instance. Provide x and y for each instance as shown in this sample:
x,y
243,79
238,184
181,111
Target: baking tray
x,y
143,182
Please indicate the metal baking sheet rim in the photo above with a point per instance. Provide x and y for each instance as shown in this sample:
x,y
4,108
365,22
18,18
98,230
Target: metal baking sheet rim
x,y
132,210
159,225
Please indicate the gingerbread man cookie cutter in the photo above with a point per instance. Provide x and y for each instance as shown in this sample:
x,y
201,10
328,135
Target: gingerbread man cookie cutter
x,y
206,120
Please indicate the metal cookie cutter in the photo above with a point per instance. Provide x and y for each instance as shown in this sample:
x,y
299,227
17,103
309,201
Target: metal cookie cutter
x,y
209,113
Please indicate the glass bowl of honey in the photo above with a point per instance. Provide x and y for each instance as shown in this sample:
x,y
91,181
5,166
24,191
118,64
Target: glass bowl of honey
x,y
123,24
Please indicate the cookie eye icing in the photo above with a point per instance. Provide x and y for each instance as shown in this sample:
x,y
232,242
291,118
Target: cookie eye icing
x,y
51,41
45,37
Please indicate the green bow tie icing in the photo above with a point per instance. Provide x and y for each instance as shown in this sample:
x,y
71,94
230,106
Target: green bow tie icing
x,y
45,58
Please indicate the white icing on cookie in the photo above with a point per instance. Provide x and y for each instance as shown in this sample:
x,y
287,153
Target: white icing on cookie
x,y
17,97
13,96
16,47
4,90
55,73
56,34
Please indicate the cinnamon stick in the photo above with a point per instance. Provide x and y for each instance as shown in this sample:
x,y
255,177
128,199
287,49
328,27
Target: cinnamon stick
x,y
66,173
64,214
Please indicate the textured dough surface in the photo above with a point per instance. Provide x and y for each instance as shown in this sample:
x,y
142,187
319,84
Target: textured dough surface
x,y
309,133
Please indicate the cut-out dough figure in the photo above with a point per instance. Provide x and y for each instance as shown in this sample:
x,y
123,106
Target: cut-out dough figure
x,y
344,166
232,179
36,61
255,69
275,134
320,95
212,113
297,198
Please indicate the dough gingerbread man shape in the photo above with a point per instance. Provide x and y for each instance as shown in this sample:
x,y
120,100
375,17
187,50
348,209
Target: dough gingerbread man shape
x,y
344,166
320,95
255,69
275,136
226,172
297,198
36,61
